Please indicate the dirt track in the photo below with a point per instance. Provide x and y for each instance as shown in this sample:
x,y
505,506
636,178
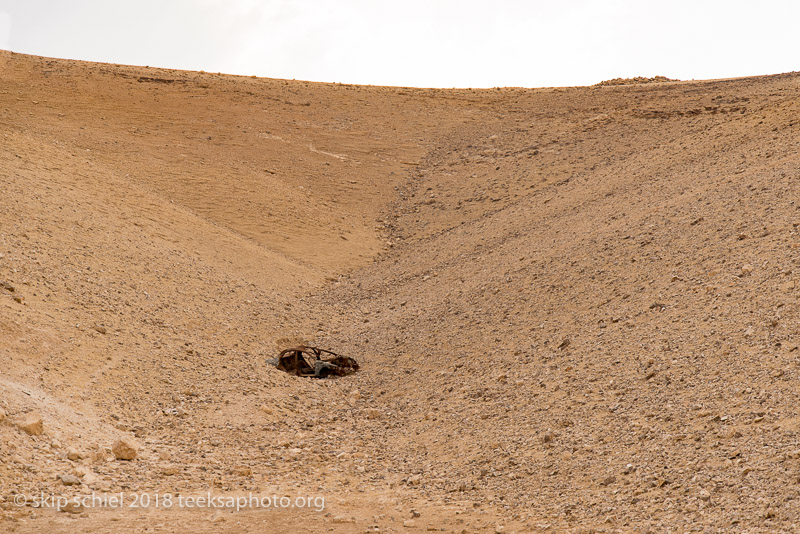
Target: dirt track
x,y
574,308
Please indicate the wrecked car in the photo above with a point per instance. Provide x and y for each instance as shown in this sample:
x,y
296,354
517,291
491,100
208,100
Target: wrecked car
x,y
313,362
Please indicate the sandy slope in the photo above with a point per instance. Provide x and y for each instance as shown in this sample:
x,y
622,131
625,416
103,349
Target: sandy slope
x,y
574,308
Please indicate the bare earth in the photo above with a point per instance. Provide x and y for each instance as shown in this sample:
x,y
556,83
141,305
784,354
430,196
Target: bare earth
x,y
575,309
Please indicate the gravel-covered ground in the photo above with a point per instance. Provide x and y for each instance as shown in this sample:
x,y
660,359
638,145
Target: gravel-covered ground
x,y
575,309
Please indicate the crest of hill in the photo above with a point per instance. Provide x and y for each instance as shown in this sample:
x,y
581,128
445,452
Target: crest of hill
x,y
636,81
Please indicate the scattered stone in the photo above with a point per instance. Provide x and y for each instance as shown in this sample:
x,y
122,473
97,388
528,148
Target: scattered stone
x,y
169,470
2,415
31,424
100,329
242,471
73,507
80,471
373,413
787,286
629,469
124,449
69,480
747,269
101,454
635,81
73,454
409,523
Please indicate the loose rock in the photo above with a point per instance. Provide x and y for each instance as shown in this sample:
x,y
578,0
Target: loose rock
x,y
69,480
73,508
31,424
124,449
242,471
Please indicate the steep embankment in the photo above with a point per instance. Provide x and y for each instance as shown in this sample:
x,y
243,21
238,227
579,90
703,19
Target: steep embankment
x,y
573,307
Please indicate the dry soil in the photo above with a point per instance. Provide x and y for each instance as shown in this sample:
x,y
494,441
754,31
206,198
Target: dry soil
x,y
575,309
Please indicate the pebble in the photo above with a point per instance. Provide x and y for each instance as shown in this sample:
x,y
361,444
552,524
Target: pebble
x,y
124,449
31,424
73,508
242,471
629,469
69,480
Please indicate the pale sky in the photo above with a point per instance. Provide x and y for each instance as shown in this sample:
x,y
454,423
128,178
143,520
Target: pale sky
x,y
429,43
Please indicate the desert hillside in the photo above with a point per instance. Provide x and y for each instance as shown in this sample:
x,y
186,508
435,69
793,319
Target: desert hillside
x,y
574,308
